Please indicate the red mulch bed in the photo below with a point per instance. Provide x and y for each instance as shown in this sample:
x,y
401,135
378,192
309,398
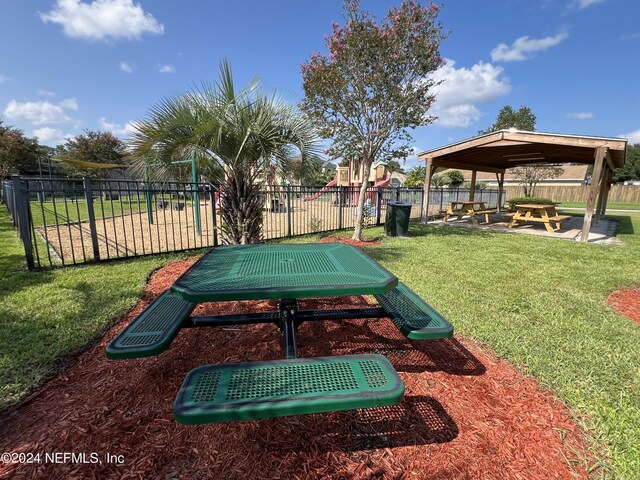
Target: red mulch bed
x,y
626,302
466,414
350,241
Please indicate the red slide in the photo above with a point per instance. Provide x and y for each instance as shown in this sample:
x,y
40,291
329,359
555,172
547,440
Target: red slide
x,y
332,183
384,182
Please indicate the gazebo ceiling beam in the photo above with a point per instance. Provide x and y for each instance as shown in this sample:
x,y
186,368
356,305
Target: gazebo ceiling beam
x,y
466,166
529,161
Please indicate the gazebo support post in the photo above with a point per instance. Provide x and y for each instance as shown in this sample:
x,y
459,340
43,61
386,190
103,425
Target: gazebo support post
x,y
596,181
429,169
472,188
607,178
605,194
597,214
500,178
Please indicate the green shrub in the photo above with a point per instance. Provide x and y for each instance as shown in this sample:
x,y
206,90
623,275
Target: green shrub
x,y
455,177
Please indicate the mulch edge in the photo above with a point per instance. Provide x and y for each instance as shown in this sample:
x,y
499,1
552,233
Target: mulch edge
x,y
612,301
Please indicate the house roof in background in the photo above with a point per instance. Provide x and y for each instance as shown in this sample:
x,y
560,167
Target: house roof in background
x,y
400,176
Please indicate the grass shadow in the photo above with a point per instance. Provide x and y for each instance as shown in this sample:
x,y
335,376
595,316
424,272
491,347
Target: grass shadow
x,y
625,224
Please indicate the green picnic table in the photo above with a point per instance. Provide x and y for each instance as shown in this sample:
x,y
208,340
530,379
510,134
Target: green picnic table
x,y
215,393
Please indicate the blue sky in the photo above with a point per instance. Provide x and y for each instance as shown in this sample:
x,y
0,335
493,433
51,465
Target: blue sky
x,y
70,65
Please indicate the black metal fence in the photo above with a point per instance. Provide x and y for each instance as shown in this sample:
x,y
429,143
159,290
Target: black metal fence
x,y
74,221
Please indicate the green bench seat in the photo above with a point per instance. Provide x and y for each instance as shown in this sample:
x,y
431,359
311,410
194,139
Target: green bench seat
x,y
153,330
415,318
228,392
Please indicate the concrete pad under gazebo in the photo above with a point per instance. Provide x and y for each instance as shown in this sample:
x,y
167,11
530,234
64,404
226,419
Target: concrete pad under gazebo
x,y
497,151
603,232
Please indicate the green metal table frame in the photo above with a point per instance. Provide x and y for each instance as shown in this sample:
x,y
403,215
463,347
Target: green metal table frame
x,y
286,273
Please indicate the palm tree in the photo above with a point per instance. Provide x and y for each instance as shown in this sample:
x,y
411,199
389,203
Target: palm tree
x,y
245,133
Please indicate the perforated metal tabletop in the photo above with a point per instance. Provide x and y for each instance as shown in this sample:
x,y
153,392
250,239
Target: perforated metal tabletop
x,y
255,272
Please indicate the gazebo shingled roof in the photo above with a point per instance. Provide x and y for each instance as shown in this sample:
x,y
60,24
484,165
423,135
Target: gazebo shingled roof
x,y
496,151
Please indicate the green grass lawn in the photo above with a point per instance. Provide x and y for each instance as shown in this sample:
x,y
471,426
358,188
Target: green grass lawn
x,y
610,205
538,302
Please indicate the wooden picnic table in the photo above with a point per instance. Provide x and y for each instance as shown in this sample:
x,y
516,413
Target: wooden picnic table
x,y
539,213
468,208
292,386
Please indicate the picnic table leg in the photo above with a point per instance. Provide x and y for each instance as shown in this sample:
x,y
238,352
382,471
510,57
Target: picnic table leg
x,y
289,324
547,222
289,338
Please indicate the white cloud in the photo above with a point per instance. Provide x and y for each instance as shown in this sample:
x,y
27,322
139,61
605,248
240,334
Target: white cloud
x,y
69,103
463,88
45,93
587,3
125,67
524,47
50,136
580,115
633,137
116,128
166,69
47,133
102,19
41,113
4,78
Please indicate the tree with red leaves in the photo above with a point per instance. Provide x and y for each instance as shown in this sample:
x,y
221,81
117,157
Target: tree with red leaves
x,y
374,84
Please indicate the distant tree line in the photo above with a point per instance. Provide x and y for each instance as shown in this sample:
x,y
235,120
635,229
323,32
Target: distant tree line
x,y
631,168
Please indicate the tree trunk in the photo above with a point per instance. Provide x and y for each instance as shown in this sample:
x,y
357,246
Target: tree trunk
x,y
357,233
241,211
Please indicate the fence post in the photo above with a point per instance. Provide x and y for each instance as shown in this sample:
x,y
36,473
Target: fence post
x,y
340,208
9,199
397,194
288,201
214,220
88,196
21,199
378,205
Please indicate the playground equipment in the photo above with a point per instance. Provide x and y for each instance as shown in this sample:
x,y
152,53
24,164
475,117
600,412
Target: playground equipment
x,y
351,176
324,189
194,189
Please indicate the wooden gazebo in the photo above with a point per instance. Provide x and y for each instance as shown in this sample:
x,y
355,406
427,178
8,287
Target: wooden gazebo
x,y
497,151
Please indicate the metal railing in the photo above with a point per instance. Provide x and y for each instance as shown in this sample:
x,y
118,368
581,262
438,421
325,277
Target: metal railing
x,y
74,221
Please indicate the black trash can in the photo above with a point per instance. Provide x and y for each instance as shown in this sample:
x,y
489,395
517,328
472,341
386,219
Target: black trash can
x,y
396,223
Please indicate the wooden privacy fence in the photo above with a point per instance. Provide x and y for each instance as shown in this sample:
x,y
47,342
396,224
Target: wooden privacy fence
x,y
578,193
